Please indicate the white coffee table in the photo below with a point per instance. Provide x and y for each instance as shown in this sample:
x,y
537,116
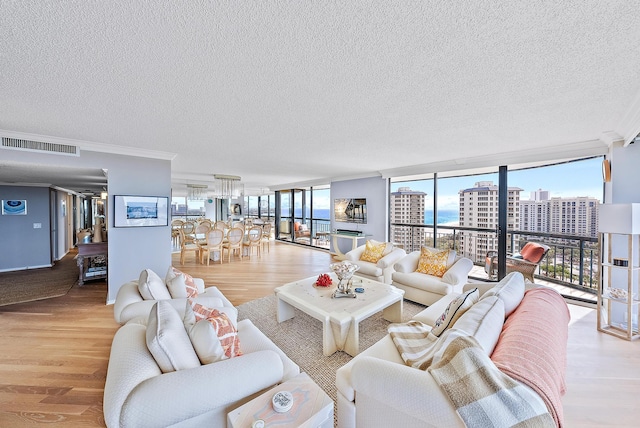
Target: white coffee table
x,y
312,407
340,317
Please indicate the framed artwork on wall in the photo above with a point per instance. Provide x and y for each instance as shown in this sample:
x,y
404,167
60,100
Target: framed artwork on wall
x,y
14,207
140,211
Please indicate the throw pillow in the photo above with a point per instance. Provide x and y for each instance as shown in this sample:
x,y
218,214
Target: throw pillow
x,y
454,310
152,287
206,343
483,321
510,290
182,286
373,252
532,252
388,246
195,312
167,339
190,284
226,332
431,263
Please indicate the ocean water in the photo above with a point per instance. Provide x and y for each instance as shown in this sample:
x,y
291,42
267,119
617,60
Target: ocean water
x,y
444,216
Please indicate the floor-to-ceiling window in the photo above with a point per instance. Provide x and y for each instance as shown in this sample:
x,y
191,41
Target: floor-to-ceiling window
x,y
303,216
542,204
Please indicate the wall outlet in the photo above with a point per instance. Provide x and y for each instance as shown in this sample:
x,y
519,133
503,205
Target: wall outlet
x,y
37,225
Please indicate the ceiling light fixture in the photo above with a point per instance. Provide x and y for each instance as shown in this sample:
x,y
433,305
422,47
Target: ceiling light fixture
x,y
197,192
228,186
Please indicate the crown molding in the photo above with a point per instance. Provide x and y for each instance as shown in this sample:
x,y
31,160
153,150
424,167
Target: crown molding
x,y
90,145
520,158
629,126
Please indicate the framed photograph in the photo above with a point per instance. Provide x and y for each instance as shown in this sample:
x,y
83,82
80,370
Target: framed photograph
x,y
14,207
352,210
140,211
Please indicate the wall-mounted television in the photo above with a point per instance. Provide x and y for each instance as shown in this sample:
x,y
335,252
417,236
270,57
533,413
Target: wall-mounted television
x,y
351,210
140,211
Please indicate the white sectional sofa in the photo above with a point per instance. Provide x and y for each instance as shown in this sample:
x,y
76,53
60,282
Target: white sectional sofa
x,y
140,391
378,389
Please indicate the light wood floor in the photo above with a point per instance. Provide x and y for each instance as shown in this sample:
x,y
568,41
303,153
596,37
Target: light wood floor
x,y
54,353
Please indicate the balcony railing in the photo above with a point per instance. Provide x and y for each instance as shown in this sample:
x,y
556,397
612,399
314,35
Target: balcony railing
x,y
572,260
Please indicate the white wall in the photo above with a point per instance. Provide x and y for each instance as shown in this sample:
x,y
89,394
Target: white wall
x,y
376,191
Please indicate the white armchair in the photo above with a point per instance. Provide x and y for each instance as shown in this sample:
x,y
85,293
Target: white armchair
x,y
427,289
380,271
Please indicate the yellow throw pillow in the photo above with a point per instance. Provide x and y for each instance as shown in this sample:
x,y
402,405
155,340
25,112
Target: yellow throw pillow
x,y
373,252
432,263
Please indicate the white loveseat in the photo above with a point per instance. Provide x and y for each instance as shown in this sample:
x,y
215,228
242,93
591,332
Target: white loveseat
x,y
380,271
377,388
139,392
428,289
130,304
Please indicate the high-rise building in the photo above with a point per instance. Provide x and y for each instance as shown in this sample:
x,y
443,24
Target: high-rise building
x,y
571,216
479,209
407,207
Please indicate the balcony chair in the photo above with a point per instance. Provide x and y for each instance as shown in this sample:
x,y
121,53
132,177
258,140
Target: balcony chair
x,y
526,262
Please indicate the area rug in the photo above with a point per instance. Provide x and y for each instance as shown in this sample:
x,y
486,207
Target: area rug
x,y
37,284
301,338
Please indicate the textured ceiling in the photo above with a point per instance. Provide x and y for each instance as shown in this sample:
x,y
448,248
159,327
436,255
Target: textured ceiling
x,y
283,92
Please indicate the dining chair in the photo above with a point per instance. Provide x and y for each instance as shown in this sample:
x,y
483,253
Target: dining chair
x,y
176,225
233,242
266,236
187,245
200,233
254,238
215,238
188,235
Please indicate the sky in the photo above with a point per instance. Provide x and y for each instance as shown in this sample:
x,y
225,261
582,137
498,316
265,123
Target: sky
x,y
580,178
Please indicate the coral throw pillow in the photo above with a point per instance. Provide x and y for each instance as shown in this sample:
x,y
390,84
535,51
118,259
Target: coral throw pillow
x,y
373,252
456,308
227,333
433,263
532,252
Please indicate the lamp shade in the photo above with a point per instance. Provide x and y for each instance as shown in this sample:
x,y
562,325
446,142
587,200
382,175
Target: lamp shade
x,y
619,218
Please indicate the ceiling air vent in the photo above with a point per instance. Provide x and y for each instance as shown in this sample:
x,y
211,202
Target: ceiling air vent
x,y
39,146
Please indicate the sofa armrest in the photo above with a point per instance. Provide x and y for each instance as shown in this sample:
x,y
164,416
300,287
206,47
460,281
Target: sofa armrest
x,y
215,292
355,254
404,389
200,390
392,258
459,272
408,263
127,294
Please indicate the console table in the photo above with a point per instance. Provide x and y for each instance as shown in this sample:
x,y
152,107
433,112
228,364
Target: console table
x,y
339,255
88,251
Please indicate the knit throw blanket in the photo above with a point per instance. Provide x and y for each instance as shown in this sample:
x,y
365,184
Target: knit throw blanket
x,y
482,394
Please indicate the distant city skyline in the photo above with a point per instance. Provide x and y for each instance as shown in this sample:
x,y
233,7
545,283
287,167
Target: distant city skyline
x,y
571,179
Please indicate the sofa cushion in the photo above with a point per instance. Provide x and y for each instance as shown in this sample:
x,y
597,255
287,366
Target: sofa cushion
x,y
483,321
368,268
454,310
510,290
152,287
421,281
373,252
433,263
168,340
